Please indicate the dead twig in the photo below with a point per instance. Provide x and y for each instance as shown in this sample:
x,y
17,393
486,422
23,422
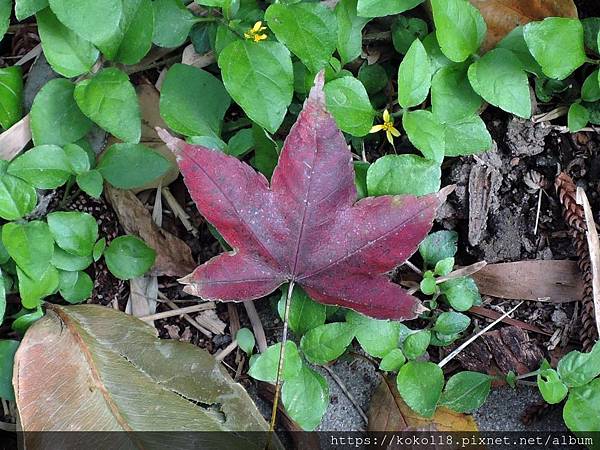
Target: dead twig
x,y
465,344
227,350
257,327
177,311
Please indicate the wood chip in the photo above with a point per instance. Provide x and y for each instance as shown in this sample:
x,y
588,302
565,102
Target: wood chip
x,y
484,182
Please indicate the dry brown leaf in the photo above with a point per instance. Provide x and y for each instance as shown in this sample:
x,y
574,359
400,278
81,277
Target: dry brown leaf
x,y
91,368
388,412
173,256
502,16
555,281
191,58
14,140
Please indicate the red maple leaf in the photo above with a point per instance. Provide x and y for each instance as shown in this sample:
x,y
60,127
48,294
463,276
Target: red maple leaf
x,y
306,226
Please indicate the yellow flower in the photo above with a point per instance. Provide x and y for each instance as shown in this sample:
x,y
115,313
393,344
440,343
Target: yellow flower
x,y
256,32
387,126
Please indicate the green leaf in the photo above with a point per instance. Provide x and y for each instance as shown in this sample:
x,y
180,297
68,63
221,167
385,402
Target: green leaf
x,y
308,30
33,290
127,166
556,43
74,232
403,174
245,340
75,287
30,245
27,8
461,293
5,10
582,410
260,78
515,42
265,151
444,267
466,391
306,397
373,77
590,91
192,101
553,390
326,342
426,133
416,344
109,99
129,257
173,23
376,337
438,246
67,53
93,20
68,261
77,157
436,57
380,8
305,313
578,117
414,76
2,296
7,356
393,361
452,97
420,385
241,143
25,320
44,167
11,96
576,368
17,197
55,117
459,27
591,30
99,249
133,38
350,26
405,30
468,136
428,285
91,183
361,169
349,104
451,323
264,368
499,78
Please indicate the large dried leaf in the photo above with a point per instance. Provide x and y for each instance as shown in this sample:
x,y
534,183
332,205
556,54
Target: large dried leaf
x,y
305,226
91,368
554,281
388,412
173,256
502,16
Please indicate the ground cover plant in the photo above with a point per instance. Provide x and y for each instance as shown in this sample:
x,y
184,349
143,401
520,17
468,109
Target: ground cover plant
x,y
317,143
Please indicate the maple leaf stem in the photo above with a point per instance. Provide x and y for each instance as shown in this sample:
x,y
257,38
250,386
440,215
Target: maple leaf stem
x,y
286,317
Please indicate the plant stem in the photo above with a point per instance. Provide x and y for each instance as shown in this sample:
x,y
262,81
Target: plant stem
x,y
527,375
286,317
